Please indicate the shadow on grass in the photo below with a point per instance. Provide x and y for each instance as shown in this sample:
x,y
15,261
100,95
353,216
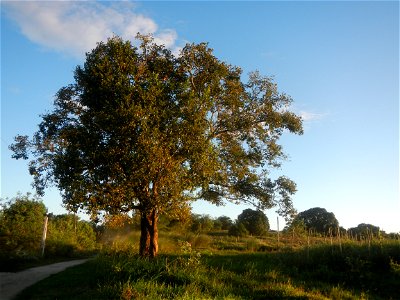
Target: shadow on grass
x,y
366,271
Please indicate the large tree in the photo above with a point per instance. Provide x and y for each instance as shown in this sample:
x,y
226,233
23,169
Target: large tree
x,y
318,219
255,221
142,129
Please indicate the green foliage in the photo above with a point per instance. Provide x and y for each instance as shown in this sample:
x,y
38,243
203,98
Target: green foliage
x,y
238,229
21,226
255,221
21,230
142,129
201,223
364,231
318,220
67,234
225,222
297,227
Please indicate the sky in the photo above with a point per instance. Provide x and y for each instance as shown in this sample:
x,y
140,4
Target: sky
x,y
339,61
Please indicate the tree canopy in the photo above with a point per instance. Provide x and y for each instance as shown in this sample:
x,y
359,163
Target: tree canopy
x,y
318,220
21,224
255,221
142,129
364,230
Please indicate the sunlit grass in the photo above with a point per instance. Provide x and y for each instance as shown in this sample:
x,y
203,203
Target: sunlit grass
x,y
217,266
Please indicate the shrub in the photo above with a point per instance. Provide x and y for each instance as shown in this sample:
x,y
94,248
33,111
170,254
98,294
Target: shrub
x,y
21,225
67,234
238,230
202,241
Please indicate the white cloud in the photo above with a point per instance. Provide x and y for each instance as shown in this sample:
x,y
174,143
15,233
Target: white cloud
x,y
75,27
309,116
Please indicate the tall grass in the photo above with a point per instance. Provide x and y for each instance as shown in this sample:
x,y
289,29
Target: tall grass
x,y
221,267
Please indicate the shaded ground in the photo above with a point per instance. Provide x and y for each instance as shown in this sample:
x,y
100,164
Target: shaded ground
x,y
13,283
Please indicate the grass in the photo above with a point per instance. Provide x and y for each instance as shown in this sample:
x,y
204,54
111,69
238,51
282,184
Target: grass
x,y
79,282
246,271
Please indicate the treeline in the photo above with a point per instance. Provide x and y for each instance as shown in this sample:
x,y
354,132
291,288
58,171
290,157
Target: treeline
x,y
21,231
22,221
316,222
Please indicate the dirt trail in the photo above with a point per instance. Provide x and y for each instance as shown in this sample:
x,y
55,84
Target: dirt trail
x,y
13,283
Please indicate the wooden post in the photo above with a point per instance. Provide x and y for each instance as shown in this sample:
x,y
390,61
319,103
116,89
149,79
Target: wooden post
x,y
277,222
44,234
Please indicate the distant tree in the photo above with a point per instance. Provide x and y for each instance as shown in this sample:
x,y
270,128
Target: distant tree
x,y
255,221
67,233
21,225
238,230
318,220
393,235
142,129
217,224
363,231
201,223
342,230
296,226
226,222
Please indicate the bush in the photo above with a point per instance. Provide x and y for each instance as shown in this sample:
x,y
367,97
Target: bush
x,y
202,241
67,235
21,226
21,230
238,230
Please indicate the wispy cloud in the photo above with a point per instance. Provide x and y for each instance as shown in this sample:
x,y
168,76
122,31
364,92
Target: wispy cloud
x,y
309,116
74,27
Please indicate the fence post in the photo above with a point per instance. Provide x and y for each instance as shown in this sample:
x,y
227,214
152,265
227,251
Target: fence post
x,y
277,222
46,218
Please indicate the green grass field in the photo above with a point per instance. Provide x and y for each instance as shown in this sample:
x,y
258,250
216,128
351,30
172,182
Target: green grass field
x,y
221,267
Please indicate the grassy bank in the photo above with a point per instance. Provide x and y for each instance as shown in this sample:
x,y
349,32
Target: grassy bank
x,y
321,271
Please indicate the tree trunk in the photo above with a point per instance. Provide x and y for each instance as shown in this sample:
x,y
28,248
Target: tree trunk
x,y
153,233
144,236
149,234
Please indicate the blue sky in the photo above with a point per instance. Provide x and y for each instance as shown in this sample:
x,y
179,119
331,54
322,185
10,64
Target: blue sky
x,y
338,60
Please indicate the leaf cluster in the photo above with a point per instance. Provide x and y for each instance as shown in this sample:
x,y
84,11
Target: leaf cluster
x,y
318,220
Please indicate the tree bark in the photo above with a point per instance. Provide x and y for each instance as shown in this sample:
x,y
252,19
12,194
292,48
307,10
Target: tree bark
x,y
149,234
153,234
144,236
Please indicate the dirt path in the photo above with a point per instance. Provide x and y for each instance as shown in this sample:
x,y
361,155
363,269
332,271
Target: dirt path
x,y
13,283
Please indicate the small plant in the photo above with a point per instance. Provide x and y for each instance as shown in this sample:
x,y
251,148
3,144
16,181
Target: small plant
x,y
192,259
394,267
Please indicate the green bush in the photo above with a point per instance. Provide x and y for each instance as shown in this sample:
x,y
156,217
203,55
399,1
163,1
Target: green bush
x,y
21,230
238,230
21,226
67,235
